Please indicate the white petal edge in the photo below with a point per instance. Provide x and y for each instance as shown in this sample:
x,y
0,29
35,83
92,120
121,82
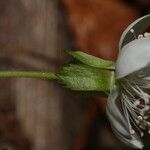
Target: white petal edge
x,y
138,26
119,122
133,56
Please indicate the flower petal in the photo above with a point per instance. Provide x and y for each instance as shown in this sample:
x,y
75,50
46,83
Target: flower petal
x,y
133,56
138,26
119,122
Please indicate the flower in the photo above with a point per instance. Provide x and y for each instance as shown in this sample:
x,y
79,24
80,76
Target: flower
x,y
128,105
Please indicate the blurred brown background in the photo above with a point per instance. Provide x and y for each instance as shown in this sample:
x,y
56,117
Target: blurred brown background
x,y
41,115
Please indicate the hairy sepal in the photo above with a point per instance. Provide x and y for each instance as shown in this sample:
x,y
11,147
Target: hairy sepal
x,y
80,77
92,60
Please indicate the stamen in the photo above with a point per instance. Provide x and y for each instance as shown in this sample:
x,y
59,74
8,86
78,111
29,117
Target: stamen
x,y
137,103
146,108
137,121
142,126
132,131
142,134
148,124
133,119
146,117
140,118
146,34
141,93
133,32
140,36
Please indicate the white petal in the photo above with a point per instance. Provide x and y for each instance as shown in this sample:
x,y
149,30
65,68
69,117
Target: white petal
x,y
138,26
119,122
134,141
115,116
133,56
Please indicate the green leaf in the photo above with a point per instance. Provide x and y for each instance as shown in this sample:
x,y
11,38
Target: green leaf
x,y
92,60
82,77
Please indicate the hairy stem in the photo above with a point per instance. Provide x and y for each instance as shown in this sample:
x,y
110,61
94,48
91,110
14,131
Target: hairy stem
x,y
28,74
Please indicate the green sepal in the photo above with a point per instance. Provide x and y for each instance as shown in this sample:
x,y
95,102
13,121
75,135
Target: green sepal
x,y
92,60
81,77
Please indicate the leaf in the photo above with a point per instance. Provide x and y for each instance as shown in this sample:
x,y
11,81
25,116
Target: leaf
x,y
81,77
92,60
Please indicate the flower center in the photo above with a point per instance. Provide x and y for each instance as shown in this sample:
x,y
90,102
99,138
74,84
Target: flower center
x,y
143,117
136,104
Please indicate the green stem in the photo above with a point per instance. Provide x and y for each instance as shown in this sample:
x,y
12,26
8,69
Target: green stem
x,y
28,74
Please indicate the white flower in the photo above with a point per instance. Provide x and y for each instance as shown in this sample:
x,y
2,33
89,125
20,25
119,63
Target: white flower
x,y
128,106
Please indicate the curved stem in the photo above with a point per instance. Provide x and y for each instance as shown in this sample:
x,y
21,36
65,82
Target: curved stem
x,y
28,74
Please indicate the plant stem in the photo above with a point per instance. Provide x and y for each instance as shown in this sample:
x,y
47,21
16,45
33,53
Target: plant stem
x,y
28,74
